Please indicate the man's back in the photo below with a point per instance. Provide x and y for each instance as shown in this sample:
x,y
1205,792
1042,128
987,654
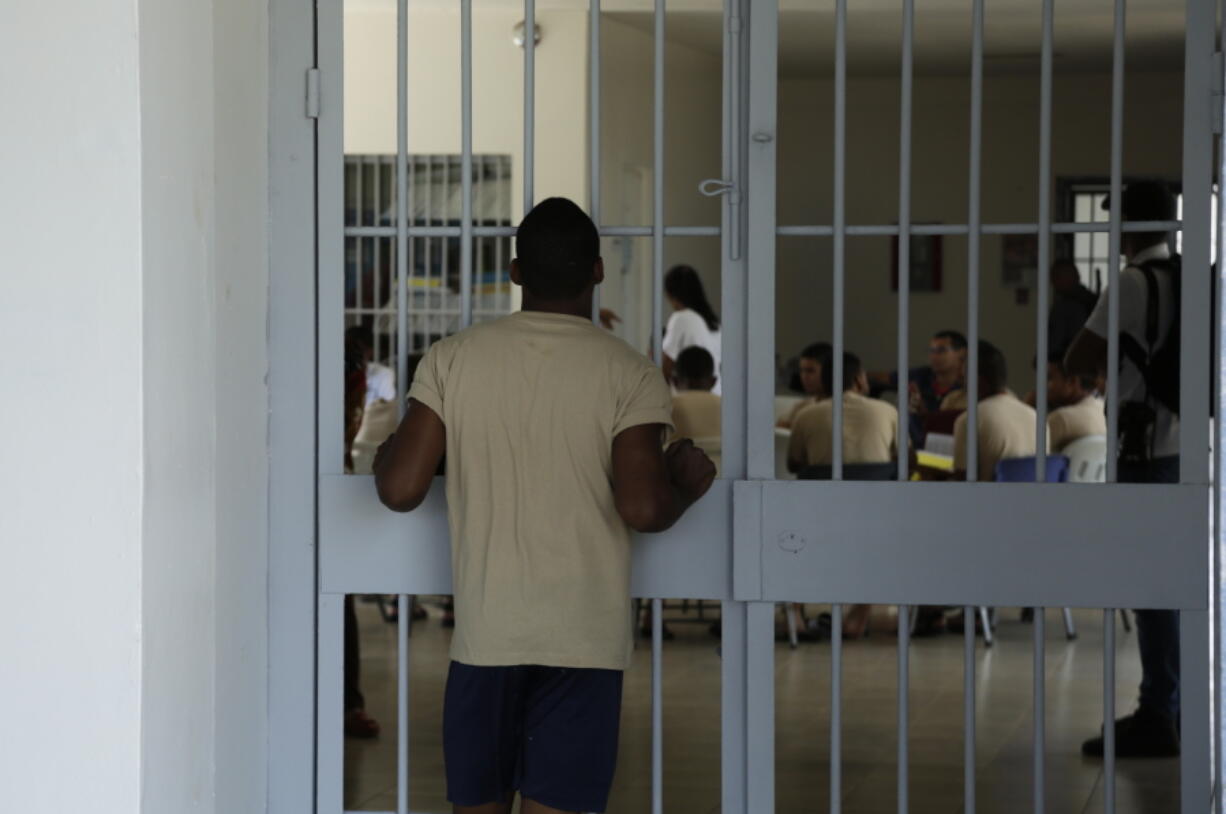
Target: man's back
x,y
870,431
1006,430
1067,424
531,404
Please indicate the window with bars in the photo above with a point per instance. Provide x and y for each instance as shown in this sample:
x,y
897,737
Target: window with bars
x,y
1084,203
433,269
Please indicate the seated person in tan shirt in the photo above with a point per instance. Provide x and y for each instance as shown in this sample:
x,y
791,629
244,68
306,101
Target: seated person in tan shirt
x,y
810,380
552,429
696,409
870,436
870,426
1006,424
1077,411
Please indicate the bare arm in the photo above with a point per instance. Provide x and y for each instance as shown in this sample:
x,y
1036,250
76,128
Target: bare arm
x,y
406,463
652,487
1087,356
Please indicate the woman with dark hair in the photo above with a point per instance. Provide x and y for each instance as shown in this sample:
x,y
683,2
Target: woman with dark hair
x,y
693,322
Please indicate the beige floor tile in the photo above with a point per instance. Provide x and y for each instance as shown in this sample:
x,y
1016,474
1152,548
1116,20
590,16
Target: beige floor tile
x,y
1004,692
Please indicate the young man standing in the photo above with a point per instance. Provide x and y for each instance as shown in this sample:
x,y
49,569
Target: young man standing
x,y
553,433
1149,440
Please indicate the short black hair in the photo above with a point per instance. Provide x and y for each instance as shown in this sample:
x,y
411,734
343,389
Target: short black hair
x,y
817,351
1057,358
993,370
361,334
851,371
557,247
956,340
694,364
1145,201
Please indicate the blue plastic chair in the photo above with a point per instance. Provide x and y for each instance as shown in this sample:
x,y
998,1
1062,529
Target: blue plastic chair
x,y
1022,470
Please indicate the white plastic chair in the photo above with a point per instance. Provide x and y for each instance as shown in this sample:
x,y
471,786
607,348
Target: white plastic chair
x,y
1087,459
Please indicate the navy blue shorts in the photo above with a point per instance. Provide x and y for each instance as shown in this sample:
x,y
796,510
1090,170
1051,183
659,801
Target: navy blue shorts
x,y
549,733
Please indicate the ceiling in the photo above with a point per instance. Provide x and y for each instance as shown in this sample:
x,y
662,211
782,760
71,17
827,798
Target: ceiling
x,y
1012,32
1083,33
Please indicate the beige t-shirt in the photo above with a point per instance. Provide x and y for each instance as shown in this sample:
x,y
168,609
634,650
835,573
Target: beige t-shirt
x,y
696,414
540,556
1067,424
870,432
1006,430
799,408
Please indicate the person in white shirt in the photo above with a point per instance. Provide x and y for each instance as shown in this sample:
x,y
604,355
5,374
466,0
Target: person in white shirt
x,y
1077,411
1149,442
693,322
380,379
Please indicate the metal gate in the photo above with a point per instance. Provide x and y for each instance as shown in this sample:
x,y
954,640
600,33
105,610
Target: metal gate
x,y
755,541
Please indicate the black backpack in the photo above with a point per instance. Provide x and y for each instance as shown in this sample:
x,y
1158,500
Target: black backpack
x,y
1159,369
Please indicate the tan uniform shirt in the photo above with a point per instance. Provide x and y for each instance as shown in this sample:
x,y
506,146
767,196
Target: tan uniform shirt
x,y
1067,424
540,556
696,414
795,412
870,432
1006,430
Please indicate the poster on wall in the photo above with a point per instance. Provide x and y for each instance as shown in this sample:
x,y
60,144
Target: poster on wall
x,y
1019,261
925,263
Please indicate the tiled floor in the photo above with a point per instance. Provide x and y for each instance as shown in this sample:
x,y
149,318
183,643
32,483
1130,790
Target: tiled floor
x,y
691,721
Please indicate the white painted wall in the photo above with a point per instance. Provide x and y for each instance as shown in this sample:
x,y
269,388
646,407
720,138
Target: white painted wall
x,y
134,333
70,349
692,152
498,66
240,296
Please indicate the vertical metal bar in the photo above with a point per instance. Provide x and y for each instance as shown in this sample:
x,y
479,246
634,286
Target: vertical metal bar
x,y
1040,709
404,619
402,204
904,697
1217,581
466,164
904,257
1043,283
732,269
593,123
593,126
1197,206
657,229
762,97
1113,241
836,706
840,232
1109,711
479,188
1195,777
972,250
657,707
329,280
529,104
968,698
330,706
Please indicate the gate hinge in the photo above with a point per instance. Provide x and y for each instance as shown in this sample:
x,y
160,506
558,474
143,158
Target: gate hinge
x,y
312,93
1217,109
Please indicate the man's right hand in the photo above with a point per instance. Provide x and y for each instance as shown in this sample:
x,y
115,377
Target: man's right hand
x,y
690,470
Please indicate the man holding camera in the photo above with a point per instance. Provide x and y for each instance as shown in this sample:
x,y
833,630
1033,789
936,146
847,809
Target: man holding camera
x,y
1149,439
